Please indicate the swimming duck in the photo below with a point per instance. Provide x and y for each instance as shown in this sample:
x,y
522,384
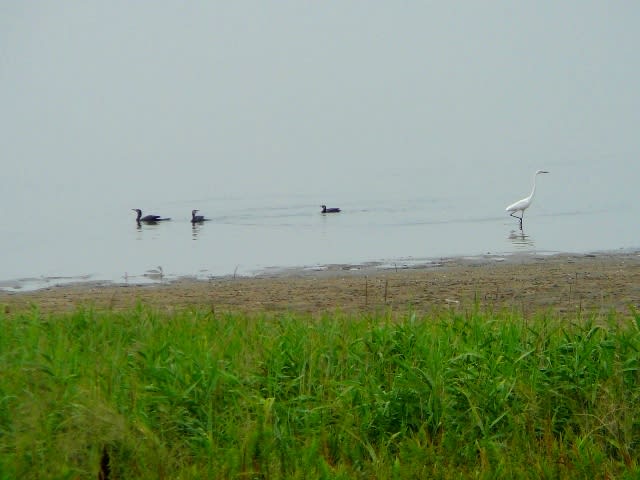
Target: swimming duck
x,y
329,210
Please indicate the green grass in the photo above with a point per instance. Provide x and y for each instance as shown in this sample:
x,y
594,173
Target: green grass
x,y
195,395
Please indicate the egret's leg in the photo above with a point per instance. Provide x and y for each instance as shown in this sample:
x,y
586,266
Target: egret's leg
x,y
513,214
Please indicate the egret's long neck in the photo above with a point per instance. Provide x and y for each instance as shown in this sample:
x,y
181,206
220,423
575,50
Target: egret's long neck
x,y
533,189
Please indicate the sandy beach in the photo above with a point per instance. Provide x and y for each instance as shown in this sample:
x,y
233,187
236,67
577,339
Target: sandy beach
x,y
565,283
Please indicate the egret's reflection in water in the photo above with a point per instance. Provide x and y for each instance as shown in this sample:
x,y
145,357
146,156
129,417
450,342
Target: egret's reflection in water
x,y
521,240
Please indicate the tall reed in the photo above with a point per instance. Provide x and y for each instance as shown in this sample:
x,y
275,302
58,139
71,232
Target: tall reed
x,y
193,394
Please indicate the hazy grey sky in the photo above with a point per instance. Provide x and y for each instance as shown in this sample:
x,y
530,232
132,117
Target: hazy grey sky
x,y
132,100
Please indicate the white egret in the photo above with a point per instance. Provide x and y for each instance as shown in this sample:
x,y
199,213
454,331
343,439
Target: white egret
x,y
522,205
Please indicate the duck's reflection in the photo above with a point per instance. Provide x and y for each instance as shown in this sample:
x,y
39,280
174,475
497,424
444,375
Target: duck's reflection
x,y
520,239
147,230
195,230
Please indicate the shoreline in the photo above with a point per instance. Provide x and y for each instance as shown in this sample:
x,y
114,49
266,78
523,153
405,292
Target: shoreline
x,y
19,286
564,282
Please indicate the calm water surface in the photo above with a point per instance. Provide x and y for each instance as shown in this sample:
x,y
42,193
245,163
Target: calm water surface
x,y
422,121
396,223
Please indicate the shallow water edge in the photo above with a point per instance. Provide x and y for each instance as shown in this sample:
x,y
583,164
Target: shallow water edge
x,y
159,277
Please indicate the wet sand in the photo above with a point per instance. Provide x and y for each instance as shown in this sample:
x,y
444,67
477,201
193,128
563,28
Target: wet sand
x,y
530,283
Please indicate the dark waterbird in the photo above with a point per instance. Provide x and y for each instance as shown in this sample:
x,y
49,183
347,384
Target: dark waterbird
x,y
197,218
329,210
148,218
